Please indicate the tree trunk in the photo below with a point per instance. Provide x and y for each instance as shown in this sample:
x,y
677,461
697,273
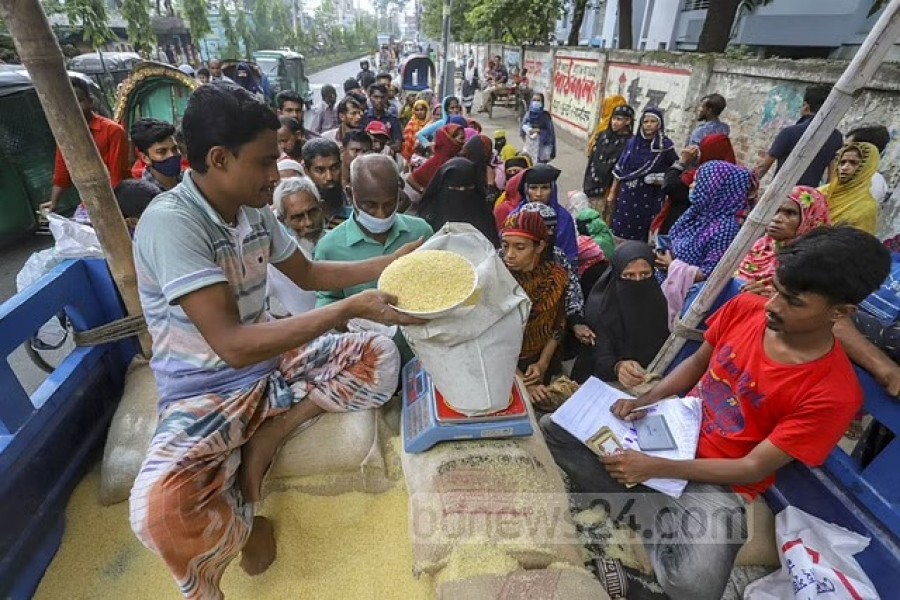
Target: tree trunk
x,y
42,57
626,16
717,26
577,20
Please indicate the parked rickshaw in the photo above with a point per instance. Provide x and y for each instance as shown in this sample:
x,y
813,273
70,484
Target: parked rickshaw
x,y
417,73
106,69
154,90
285,70
27,152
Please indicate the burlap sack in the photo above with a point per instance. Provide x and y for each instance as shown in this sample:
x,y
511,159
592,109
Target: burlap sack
x,y
507,494
760,549
130,432
542,584
341,452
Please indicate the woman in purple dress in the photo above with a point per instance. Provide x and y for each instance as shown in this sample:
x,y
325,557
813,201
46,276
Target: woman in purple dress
x,y
636,196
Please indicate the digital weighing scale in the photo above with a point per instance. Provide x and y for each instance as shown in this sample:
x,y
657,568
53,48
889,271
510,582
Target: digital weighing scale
x,y
428,420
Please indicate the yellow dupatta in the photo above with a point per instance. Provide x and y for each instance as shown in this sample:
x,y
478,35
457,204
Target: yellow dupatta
x,y
852,203
610,103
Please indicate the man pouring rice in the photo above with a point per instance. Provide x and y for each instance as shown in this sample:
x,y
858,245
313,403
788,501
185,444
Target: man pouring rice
x,y
232,383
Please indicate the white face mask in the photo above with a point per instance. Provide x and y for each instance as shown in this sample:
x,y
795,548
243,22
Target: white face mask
x,y
375,225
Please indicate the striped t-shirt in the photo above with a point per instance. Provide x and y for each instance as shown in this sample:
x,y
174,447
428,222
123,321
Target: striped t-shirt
x,y
183,245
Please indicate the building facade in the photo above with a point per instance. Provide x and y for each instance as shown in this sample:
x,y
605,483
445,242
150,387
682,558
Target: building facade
x,y
787,28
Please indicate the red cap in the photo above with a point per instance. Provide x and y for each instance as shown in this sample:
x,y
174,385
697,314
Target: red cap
x,y
378,128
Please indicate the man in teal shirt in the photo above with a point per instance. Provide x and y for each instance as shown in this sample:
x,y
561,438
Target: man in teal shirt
x,y
376,229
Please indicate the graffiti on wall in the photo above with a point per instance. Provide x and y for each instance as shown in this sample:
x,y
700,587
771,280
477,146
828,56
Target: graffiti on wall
x,y
647,86
782,107
539,70
576,91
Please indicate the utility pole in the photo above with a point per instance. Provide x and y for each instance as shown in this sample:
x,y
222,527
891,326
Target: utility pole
x,y
446,72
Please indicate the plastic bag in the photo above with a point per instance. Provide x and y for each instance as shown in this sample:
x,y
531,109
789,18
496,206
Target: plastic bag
x,y
73,240
816,562
471,352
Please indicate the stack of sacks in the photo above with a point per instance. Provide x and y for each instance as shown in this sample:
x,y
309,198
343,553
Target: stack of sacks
x,y
340,452
507,495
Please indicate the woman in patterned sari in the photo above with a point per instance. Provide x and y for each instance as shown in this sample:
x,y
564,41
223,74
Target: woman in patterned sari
x,y
526,253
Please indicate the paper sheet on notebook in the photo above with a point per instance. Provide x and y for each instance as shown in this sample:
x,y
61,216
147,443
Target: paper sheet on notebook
x,y
588,410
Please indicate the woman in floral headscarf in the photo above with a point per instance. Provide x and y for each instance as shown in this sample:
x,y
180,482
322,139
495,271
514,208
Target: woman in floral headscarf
x,y
804,209
636,195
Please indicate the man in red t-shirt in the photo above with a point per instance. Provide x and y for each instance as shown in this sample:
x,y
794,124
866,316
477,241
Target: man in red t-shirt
x,y
111,141
775,386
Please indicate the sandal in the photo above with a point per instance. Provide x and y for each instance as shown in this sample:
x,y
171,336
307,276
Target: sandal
x,y
611,575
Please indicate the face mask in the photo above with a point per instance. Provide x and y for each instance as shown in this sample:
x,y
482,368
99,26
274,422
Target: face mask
x,y
535,105
170,167
374,224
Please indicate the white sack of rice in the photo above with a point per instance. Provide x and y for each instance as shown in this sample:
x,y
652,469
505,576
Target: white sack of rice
x,y
345,447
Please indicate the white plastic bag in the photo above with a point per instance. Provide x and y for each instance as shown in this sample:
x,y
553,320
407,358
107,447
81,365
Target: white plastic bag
x,y
575,202
471,353
816,562
73,240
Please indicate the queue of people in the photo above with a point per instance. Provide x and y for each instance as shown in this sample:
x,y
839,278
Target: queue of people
x,y
276,220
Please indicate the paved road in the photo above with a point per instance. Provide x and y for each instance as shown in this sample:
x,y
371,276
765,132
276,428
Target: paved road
x,y
336,76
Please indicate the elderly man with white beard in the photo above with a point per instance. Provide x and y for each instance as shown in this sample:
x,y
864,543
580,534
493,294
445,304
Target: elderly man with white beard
x,y
297,205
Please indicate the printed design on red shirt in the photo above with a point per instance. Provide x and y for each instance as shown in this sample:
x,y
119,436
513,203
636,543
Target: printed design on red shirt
x,y
722,412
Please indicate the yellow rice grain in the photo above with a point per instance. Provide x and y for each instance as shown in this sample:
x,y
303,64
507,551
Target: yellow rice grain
x,y
428,280
472,560
329,548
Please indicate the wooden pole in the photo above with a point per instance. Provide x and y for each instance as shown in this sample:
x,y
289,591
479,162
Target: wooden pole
x,y
858,73
43,58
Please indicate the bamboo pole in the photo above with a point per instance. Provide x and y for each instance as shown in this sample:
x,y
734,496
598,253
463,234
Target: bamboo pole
x,y
858,73
43,58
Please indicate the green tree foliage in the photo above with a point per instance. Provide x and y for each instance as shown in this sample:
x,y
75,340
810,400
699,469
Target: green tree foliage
x,y
515,21
272,25
196,13
140,28
432,20
245,32
232,40
510,21
91,16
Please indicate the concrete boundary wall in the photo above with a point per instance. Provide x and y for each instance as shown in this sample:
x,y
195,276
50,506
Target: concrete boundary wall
x,y
763,97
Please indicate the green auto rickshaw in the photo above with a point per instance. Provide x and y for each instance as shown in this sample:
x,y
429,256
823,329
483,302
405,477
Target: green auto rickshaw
x,y
285,70
28,152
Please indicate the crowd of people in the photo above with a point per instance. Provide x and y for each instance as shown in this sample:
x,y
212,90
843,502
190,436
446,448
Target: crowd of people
x,y
277,219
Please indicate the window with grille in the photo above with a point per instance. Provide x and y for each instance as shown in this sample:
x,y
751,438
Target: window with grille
x,y
695,5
